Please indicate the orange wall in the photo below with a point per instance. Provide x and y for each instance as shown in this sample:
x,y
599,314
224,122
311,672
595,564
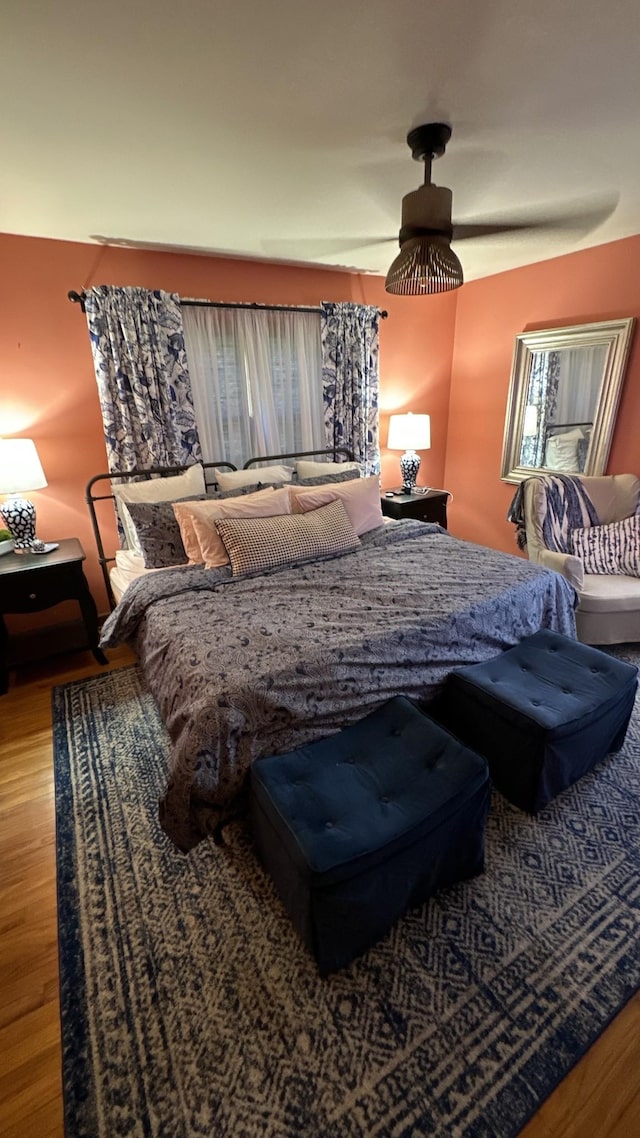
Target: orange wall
x,y
447,355
596,284
47,385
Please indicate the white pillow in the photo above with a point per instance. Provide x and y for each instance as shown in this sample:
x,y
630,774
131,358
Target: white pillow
x,y
232,479
306,469
562,451
155,490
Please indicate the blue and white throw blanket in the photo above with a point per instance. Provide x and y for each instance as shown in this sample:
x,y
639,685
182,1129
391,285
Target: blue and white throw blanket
x,y
567,507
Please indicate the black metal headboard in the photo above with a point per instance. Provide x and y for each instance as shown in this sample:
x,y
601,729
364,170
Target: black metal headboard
x,y
134,476
167,471
553,429
330,452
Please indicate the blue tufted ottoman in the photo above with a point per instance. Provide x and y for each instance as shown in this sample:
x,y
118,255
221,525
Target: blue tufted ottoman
x,y
543,713
359,827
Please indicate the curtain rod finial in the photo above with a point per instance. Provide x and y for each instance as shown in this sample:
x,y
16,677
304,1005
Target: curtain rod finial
x,y
76,298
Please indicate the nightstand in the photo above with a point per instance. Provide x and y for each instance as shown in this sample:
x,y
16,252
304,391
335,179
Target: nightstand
x,y
30,582
429,507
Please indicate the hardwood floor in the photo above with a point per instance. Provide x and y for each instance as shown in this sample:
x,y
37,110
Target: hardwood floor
x,y
600,1097
30,1087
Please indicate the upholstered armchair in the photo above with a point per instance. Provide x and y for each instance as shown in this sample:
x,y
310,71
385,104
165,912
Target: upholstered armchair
x,y
609,603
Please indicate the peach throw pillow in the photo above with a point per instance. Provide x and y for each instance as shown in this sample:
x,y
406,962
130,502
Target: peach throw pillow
x,y
197,522
360,497
184,517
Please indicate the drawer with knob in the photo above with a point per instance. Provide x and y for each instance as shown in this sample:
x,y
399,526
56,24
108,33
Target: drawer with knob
x,y
30,582
428,507
32,592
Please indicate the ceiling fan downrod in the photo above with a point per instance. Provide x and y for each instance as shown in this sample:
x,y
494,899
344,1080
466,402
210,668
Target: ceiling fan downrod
x,y
428,142
426,212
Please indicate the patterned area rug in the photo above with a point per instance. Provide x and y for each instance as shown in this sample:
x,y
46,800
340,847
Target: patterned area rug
x,y
189,1008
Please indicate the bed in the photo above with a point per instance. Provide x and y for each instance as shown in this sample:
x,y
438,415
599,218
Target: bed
x,y
242,667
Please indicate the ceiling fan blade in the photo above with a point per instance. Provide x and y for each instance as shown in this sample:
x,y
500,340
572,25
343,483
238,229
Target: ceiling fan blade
x,y
309,247
304,249
158,246
468,230
579,217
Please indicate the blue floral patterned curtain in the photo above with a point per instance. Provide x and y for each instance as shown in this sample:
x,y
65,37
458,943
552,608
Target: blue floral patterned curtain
x,y
143,379
553,380
350,379
543,395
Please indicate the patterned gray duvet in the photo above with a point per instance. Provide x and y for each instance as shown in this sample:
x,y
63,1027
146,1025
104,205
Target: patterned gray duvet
x,y
254,666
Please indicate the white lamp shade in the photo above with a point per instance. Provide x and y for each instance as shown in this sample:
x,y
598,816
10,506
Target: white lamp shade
x,y
20,467
409,432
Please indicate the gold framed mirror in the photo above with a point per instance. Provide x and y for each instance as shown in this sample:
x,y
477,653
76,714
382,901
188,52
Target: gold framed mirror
x,y
563,398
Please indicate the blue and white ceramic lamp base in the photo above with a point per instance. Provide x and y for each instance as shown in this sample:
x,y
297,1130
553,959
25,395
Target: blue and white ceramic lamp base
x,y
409,467
20,519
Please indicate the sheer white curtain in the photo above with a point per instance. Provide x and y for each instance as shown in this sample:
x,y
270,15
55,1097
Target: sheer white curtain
x,y
581,372
256,380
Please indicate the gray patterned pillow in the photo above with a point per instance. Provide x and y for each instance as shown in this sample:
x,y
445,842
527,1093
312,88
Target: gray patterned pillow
x,y
317,480
321,479
158,531
256,544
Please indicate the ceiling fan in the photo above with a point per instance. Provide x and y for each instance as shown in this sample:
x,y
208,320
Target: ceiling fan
x,y
426,262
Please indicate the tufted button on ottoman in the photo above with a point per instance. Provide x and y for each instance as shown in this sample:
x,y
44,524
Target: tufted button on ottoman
x,y
359,827
543,713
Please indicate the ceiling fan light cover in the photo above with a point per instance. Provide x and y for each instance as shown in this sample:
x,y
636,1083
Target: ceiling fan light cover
x,y
424,265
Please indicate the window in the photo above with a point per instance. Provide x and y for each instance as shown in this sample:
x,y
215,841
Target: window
x,y
256,377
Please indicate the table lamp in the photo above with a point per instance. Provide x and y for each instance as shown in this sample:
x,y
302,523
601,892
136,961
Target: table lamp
x,y
409,433
20,472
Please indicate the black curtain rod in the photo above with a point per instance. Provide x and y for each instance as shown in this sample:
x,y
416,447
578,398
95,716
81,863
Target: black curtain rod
x,y
78,298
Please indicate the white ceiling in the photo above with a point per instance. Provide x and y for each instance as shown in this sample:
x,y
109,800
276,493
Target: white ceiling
x,y
273,130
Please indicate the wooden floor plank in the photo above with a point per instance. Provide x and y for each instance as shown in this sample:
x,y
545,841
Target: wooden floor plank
x,y
602,1088
30,1063
29,991
599,1098
43,1121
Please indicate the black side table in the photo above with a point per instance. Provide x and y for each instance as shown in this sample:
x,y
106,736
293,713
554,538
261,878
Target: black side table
x,y
429,507
30,582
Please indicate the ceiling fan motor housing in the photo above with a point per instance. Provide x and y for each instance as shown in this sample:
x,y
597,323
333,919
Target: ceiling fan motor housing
x,y
426,212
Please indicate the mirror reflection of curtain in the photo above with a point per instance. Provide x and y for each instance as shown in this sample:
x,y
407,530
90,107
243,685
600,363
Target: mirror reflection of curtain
x,y
581,372
542,396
